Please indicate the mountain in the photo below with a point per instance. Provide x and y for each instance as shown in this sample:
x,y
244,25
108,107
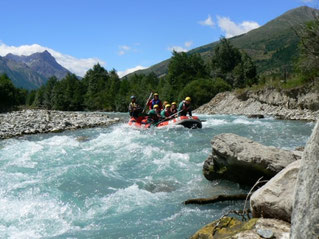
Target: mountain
x,y
273,46
20,74
43,63
32,71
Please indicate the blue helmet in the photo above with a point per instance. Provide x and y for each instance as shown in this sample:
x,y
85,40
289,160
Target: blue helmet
x,y
133,97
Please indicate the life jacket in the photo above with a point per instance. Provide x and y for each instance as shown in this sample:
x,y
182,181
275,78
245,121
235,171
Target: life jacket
x,y
133,105
156,102
186,107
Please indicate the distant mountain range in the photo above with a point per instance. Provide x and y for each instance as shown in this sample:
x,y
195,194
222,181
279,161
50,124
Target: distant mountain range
x,y
30,72
273,46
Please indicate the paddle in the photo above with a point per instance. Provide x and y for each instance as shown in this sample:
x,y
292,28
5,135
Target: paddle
x,y
147,101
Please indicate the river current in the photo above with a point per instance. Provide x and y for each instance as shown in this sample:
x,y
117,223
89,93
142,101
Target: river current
x,y
122,182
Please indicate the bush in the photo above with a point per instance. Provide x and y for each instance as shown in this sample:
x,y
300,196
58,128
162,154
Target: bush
x,y
203,90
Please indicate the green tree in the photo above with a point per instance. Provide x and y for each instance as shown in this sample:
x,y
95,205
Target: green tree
x,y
182,69
95,80
39,98
202,91
308,63
225,57
48,90
236,68
8,93
30,97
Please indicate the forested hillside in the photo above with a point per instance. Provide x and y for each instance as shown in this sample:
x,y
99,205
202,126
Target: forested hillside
x,y
273,47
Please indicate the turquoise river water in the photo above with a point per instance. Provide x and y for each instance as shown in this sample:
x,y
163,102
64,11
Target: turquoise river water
x,y
122,182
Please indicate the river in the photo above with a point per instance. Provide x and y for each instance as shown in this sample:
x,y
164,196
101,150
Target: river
x,y
122,182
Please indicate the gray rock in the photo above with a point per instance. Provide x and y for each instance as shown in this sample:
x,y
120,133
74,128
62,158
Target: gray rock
x,y
244,161
305,214
275,198
265,233
266,102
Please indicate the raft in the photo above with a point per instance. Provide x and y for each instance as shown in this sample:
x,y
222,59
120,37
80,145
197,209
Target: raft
x,y
140,122
186,121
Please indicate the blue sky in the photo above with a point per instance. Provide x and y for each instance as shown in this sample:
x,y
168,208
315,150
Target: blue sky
x,y
126,34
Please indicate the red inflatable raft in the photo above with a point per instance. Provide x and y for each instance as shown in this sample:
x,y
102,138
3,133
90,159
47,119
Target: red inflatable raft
x,y
188,122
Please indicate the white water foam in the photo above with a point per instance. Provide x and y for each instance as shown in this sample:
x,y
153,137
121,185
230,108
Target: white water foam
x,y
32,217
123,201
247,122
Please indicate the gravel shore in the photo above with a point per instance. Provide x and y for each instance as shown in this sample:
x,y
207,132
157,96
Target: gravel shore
x,y
24,122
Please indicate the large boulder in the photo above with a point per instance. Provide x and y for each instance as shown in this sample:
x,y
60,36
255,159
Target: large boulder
x,y
275,198
305,214
244,161
228,227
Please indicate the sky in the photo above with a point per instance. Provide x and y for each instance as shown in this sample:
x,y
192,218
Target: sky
x,y
127,34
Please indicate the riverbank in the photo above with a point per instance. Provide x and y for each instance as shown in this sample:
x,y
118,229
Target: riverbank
x,y
272,103
18,123
286,199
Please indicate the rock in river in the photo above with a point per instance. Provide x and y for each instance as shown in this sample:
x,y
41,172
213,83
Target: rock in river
x,y
244,161
275,198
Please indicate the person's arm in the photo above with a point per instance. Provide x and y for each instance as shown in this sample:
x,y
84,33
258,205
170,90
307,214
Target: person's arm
x,y
180,109
149,104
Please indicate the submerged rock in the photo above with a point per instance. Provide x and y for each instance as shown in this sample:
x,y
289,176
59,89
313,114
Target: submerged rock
x,y
305,214
244,161
275,198
228,227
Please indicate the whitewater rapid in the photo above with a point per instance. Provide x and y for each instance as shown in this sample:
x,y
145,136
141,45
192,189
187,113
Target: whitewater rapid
x,y
121,182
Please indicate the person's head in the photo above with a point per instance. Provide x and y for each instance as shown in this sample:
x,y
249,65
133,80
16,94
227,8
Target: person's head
x,y
167,107
133,98
165,103
156,107
173,106
156,96
188,100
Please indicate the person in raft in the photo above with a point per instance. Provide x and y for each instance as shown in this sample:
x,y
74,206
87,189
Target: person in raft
x,y
154,101
173,108
164,104
154,115
185,107
133,108
166,113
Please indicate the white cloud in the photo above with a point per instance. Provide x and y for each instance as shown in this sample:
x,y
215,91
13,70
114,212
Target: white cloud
x,y
207,22
79,66
188,44
177,49
184,48
130,70
124,49
233,29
